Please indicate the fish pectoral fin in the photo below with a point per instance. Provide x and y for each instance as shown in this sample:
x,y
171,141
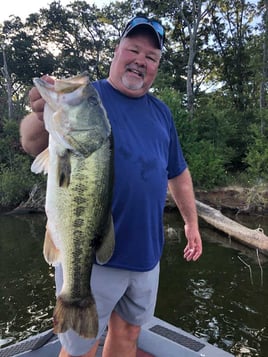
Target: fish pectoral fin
x,y
64,169
106,249
50,252
40,163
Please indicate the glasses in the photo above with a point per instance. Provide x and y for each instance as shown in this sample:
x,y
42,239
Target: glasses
x,y
159,29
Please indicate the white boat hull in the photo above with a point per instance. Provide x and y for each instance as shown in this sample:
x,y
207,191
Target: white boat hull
x,y
158,338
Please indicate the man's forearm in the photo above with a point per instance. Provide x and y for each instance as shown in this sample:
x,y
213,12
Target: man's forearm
x,y
181,189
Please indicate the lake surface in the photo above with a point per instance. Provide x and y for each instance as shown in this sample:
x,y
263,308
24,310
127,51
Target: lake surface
x,y
222,298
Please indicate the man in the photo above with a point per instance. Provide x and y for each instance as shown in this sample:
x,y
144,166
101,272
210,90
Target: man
x,y
148,157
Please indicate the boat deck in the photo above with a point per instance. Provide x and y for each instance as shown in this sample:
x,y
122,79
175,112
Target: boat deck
x,y
140,353
157,339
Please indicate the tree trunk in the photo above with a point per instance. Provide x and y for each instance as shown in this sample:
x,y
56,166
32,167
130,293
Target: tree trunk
x,y
263,86
254,238
8,84
192,30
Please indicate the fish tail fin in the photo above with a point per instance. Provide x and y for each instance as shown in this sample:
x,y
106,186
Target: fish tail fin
x,y
81,316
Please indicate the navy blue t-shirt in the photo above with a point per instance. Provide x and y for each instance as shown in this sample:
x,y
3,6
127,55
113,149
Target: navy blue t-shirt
x,y
147,153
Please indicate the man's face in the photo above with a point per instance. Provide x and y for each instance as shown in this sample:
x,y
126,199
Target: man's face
x,y
135,65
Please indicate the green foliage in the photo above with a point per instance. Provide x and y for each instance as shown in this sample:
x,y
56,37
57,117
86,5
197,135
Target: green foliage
x,y
257,152
203,146
187,130
223,138
9,142
15,182
216,122
16,179
207,165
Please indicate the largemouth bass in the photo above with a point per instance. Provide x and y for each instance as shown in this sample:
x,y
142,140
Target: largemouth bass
x,y
79,165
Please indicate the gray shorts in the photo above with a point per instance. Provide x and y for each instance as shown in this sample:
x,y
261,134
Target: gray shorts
x,y
131,294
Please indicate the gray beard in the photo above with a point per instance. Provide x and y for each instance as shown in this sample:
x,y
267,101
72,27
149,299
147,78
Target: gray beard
x,y
132,84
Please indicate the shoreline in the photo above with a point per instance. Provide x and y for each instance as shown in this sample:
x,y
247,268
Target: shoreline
x,y
237,199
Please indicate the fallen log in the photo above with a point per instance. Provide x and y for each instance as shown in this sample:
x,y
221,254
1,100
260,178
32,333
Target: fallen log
x,y
254,238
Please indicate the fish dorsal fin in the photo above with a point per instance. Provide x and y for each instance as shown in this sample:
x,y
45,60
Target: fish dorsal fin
x,y
40,163
105,251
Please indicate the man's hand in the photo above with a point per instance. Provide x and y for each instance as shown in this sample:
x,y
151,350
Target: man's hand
x,y
36,101
193,249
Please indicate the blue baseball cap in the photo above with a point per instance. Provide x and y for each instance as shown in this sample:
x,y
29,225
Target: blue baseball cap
x,y
142,21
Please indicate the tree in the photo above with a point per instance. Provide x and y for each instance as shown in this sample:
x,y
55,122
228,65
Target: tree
x,y
231,27
8,83
22,57
264,81
192,14
206,42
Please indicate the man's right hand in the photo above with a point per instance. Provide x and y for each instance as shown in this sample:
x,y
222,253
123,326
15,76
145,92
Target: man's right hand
x,y
33,135
36,101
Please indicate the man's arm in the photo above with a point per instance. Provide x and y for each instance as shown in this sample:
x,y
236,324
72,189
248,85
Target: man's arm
x,y
181,189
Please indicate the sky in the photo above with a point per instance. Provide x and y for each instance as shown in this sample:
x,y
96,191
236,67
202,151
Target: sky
x,y
24,8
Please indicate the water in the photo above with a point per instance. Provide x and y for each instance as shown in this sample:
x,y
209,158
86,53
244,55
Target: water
x,y
222,298
26,290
